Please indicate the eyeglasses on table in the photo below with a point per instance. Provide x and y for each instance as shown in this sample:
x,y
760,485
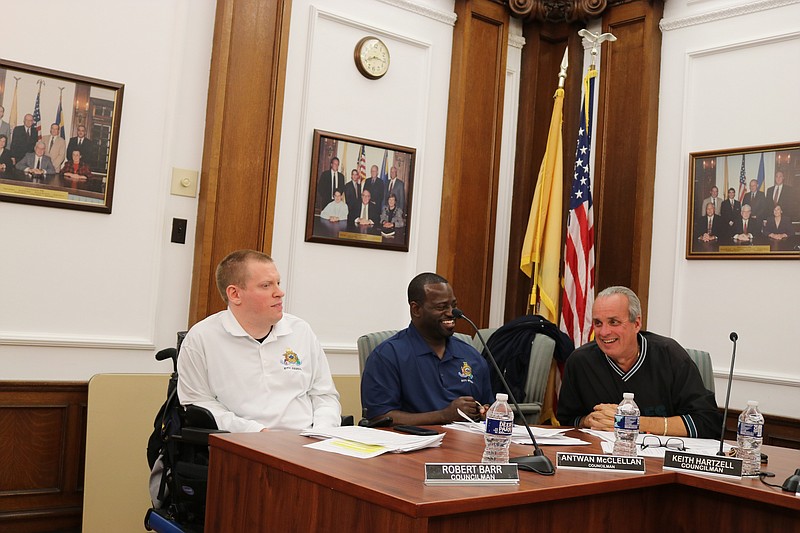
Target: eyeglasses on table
x,y
654,441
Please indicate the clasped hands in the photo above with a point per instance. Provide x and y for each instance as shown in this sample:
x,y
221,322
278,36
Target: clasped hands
x,y
601,418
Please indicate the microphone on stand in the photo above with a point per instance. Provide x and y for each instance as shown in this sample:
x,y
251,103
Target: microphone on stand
x,y
537,462
734,337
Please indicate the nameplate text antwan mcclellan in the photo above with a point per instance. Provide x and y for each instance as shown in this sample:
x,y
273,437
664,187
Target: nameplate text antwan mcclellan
x,y
602,463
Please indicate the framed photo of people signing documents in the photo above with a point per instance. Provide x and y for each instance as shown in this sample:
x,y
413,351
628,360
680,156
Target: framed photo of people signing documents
x,y
58,138
744,203
360,192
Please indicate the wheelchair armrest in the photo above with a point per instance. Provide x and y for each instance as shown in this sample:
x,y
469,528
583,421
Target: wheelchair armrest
x,y
197,435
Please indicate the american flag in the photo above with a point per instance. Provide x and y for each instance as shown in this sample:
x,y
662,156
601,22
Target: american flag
x,y
578,295
742,182
37,116
362,163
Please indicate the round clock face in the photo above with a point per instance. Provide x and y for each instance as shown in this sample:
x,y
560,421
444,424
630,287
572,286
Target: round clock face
x,y
372,57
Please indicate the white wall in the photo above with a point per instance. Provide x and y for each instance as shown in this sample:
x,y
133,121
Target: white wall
x,y
729,79
407,107
84,293
127,291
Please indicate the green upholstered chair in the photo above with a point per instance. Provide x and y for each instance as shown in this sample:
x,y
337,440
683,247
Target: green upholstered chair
x,y
486,333
368,342
542,350
703,361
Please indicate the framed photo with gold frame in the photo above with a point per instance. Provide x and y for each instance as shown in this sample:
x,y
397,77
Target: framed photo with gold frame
x,y
360,192
58,138
744,203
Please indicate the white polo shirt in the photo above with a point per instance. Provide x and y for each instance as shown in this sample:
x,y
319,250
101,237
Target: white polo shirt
x,y
283,383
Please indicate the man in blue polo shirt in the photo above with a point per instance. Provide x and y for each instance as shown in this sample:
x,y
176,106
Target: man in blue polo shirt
x,y
423,375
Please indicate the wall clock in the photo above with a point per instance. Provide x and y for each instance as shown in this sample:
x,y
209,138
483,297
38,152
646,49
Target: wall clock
x,y
372,57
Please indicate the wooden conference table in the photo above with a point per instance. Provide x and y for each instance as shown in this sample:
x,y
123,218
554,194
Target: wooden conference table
x,y
270,482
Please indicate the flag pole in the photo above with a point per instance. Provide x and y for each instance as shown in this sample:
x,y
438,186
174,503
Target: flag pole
x,y
578,281
562,76
537,259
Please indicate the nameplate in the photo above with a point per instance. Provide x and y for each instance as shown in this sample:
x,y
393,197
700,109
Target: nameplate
x,y
703,464
360,236
758,249
471,474
604,463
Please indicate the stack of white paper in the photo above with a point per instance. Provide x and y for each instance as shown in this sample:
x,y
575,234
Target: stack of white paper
x,y
361,442
519,435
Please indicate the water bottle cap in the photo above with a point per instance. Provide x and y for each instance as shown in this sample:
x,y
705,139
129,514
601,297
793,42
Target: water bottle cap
x,y
501,397
752,403
627,395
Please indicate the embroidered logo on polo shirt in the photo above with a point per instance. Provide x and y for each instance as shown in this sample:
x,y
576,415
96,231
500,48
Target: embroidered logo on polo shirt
x,y
466,371
291,359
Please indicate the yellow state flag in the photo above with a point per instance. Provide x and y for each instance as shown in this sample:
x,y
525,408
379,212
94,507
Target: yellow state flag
x,y
12,117
541,249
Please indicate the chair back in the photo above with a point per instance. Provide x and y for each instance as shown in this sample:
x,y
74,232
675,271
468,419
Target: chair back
x,y
542,350
485,333
703,361
368,342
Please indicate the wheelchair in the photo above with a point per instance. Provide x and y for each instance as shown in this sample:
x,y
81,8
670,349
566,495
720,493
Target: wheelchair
x,y
177,453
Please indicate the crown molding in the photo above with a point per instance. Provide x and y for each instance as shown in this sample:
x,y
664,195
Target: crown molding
x,y
447,17
725,13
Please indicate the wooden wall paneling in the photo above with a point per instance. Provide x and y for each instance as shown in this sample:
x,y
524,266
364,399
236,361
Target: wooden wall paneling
x,y
240,154
472,154
626,146
541,60
42,431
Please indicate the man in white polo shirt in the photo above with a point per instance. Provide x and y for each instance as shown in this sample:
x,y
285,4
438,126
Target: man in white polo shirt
x,y
253,366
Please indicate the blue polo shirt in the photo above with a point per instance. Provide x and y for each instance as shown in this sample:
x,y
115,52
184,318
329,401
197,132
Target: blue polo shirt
x,y
403,373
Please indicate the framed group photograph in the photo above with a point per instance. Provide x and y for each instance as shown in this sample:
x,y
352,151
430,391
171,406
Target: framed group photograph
x,y
744,203
58,138
360,192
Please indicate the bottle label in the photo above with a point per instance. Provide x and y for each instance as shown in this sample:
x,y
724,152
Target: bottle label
x,y
499,427
750,430
626,422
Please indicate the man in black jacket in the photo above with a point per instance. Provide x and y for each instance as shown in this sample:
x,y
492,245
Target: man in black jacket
x,y
666,383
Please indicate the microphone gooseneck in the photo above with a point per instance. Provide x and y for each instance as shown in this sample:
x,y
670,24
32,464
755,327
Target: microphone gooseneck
x,y
537,462
734,337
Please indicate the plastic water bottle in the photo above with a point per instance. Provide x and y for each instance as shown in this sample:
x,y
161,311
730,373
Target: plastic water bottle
x,y
499,424
749,438
626,426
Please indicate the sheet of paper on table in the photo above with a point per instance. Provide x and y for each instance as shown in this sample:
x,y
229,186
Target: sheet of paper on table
x,y
699,446
361,442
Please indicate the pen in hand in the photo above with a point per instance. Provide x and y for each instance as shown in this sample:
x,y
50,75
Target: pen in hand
x,y
467,418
